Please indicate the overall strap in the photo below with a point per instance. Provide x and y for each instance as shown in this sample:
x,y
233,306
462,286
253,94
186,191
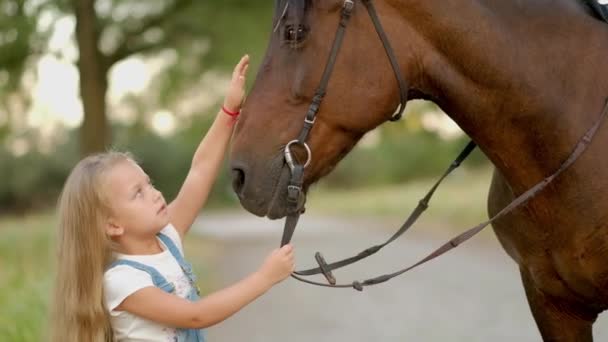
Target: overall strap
x,y
157,279
186,267
183,264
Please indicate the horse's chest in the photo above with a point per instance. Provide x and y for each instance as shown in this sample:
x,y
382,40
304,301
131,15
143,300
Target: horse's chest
x,y
564,247
574,267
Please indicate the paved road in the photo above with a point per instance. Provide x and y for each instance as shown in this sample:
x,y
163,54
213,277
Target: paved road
x,y
471,294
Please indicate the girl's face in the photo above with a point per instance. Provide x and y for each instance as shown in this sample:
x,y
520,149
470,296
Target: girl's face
x,y
137,208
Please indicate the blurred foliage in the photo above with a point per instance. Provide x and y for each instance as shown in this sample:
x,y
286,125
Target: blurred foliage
x,y
19,38
231,29
22,40
460,201
31,180
401,151
34,180
200,35
400,159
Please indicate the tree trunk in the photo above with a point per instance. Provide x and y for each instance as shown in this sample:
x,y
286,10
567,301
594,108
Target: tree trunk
x,y
93,69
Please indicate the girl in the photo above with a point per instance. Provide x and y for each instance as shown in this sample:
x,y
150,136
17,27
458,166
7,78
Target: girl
x,y
121,272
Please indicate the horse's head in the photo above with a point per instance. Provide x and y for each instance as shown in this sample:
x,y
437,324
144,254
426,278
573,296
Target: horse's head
x,y
362,93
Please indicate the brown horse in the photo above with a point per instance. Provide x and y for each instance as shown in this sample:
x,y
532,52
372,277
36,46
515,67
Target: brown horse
x,y
524,79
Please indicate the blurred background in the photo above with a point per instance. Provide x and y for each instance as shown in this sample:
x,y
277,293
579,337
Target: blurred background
x,y
82,76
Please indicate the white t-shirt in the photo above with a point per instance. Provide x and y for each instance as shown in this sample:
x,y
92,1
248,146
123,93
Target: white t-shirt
x,y
122,281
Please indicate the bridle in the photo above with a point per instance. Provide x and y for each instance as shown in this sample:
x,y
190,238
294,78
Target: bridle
x,y
295,194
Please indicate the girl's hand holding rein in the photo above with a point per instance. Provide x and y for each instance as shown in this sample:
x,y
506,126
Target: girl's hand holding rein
x,y
278,265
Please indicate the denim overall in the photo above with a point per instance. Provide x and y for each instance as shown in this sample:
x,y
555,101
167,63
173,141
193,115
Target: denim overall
x,y
183,335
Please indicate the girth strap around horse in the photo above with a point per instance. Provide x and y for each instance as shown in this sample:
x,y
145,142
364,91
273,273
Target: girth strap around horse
x,y
295,193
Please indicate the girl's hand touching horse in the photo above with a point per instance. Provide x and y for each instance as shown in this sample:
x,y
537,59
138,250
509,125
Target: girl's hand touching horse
x,y
236,90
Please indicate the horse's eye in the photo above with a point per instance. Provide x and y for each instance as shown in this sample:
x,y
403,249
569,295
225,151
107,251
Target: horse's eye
x,y
295,35
290,34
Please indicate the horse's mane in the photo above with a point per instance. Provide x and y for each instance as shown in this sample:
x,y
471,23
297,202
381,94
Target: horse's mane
x,y
296,10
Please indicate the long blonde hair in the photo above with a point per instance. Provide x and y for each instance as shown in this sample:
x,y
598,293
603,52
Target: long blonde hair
x,y
83,252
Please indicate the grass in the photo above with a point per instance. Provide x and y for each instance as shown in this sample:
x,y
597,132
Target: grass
x,y
25,276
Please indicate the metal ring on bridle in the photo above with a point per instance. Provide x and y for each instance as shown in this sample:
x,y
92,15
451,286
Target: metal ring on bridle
x,y
289,158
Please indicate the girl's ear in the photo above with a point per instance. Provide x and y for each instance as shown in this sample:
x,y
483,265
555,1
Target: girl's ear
x,y
113,229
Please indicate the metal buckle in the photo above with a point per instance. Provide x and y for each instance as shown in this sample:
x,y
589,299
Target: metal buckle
x,y
311,122
293,193
397,111
348,5
289,158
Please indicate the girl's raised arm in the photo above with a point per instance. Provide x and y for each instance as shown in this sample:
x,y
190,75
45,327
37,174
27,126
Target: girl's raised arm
x,y
209,155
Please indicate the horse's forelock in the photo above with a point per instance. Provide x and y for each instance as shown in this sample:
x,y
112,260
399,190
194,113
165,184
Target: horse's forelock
x,y
295,10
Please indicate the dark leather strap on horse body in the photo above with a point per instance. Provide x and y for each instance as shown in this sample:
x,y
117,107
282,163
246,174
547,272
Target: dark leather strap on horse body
x,y
329,67
403,87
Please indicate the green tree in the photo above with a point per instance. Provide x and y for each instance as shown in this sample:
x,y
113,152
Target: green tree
x,y
111,31
21,42
132,35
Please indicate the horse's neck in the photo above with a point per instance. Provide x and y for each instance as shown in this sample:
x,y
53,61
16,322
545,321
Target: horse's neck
x,y
516,79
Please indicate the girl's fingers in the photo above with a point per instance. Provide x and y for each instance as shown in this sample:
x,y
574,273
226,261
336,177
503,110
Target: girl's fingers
x,y
239,75
244,61
241,65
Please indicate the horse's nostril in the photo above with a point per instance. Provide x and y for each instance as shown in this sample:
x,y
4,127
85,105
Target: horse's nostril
x,y
238,180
